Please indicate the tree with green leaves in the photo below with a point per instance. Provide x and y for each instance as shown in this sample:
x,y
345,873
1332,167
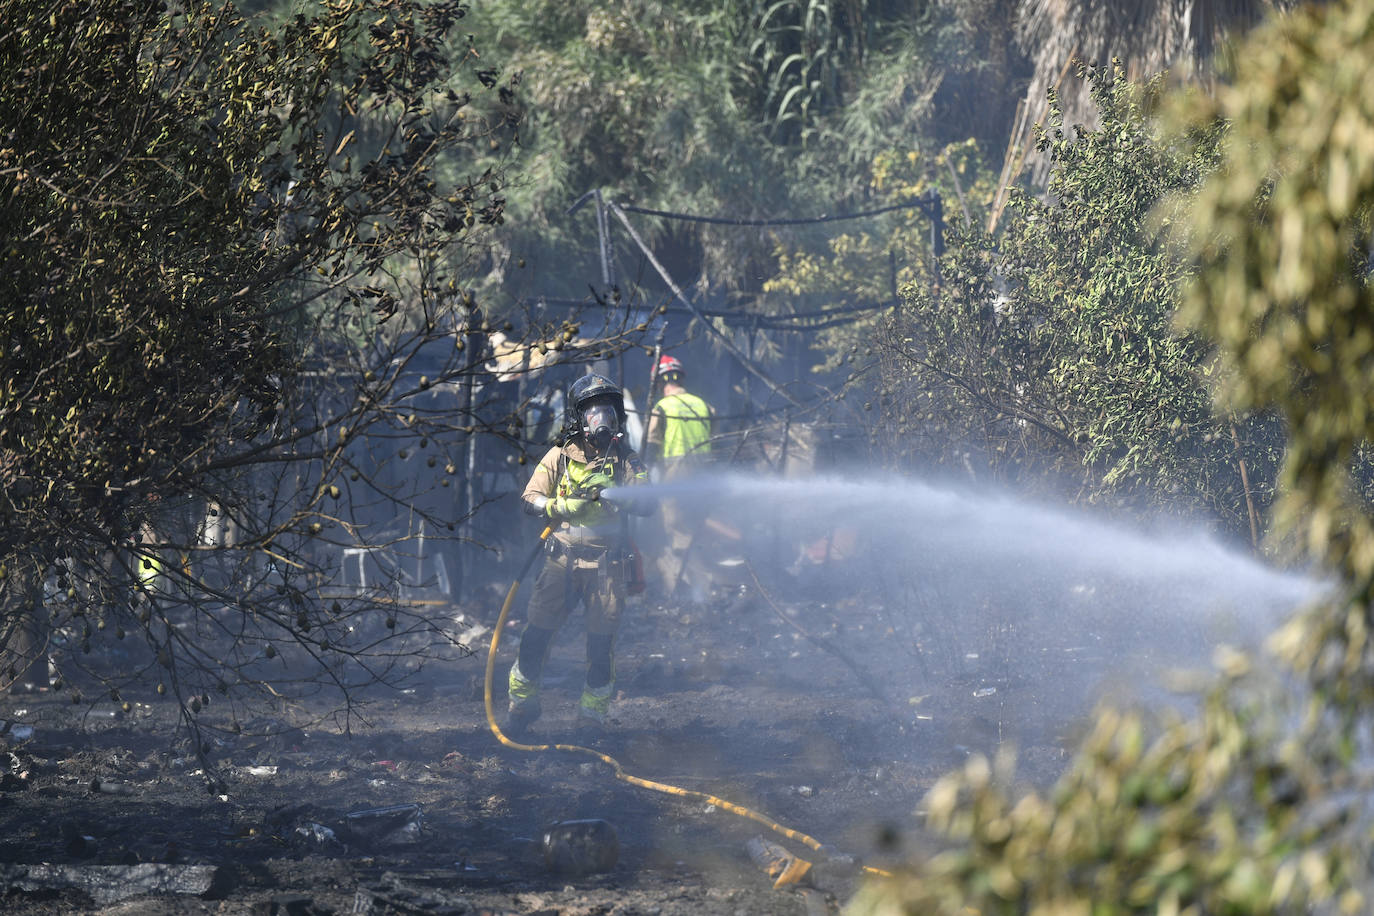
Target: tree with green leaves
x,y
865,266
1283,241
768,109
1257,804
224,249
1049,351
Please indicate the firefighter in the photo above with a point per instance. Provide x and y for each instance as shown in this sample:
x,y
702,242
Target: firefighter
x,y
590,557
678,441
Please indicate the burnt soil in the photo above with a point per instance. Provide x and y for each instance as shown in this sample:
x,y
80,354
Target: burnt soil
x,y
740,697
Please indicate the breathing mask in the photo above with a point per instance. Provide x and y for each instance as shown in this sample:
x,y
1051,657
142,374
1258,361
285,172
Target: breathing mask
x,y
600,424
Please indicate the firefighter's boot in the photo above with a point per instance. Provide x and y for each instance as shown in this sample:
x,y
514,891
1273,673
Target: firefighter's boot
x,y
524,701
595,705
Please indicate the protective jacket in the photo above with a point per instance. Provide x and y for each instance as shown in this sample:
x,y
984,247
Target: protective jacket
x,y
597,527
686,425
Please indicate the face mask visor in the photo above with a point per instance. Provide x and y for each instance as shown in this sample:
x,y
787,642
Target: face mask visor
x,y
600,424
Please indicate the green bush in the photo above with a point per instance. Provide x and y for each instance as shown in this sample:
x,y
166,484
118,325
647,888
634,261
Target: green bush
x,y
1050,351
1258,805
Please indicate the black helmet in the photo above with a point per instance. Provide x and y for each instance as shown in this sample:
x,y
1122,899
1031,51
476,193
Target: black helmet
x,y
602,427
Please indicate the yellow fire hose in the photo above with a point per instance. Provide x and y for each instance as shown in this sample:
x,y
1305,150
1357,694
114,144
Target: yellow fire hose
x,y
791,872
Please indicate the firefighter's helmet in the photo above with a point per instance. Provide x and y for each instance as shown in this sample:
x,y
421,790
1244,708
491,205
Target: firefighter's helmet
x,y
670,368
596,410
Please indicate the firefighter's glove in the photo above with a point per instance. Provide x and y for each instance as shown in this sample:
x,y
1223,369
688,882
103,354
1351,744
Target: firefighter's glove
x,y
594,483
567,508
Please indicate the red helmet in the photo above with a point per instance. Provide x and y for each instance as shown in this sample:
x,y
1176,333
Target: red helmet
x,y
668,364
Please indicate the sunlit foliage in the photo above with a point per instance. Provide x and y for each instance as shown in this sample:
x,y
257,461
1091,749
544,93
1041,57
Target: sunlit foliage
x,y
1284,242
871,264
728,109
1260,804
1050,350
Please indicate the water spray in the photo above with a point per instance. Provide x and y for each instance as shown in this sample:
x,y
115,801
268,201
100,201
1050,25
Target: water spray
x,y
1076,572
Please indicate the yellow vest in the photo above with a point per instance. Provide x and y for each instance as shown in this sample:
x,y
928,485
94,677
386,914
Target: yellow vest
x,y
574,472
686,425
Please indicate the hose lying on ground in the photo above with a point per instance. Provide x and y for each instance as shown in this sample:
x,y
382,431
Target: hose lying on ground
x,y
792,873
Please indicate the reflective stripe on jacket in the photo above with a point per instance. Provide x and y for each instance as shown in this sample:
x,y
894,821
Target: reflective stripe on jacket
x,y
559,473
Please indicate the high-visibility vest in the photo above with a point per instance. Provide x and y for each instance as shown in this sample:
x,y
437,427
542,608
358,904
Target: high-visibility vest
x,y
686,425
574,472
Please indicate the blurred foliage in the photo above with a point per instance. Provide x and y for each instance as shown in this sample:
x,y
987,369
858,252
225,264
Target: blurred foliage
x,y
1260,804
1284,244
1050,352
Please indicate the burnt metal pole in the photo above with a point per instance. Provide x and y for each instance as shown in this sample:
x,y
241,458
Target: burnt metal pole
x,y
603,235
937,224
730,346
474,346
937,240
892,278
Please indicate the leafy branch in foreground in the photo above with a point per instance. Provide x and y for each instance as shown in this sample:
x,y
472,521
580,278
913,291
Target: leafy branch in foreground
x,y
1259,805
221,245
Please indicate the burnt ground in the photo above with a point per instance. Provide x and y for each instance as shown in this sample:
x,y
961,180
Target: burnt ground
x,y
727,697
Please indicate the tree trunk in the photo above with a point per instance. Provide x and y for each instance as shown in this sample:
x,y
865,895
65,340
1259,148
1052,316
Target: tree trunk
x,y
23,629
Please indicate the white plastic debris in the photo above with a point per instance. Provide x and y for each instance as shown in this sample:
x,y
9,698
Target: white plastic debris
x,y
317,833
473,633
